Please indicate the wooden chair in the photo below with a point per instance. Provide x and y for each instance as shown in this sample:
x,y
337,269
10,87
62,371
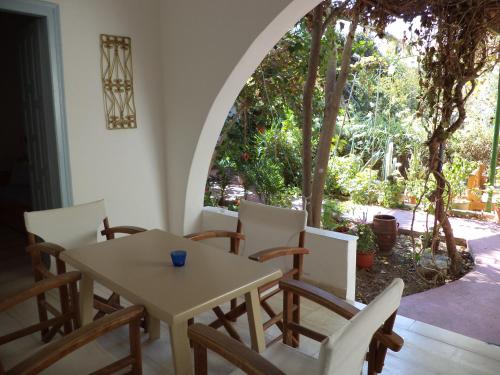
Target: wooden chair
x,y
60,355
272,235
67,228
343,352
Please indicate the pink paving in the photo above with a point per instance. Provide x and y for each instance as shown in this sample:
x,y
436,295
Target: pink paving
x,y
471,305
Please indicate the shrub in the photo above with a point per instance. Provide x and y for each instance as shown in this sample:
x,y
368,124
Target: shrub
x,y
456,171
390,192
284,198
332,215
365,187
341,170
366,238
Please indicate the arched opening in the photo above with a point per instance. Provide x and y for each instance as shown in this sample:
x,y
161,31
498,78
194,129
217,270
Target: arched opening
x,y
214,121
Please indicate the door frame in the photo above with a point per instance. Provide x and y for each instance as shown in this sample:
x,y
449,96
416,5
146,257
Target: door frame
x,y
50,12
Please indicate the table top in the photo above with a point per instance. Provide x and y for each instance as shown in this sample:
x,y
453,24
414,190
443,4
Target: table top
x,y
139,268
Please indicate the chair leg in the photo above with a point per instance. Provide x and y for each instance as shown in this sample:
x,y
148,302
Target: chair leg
x,y
200,360
296,320
234,303
36,261
64,296
233,314
372,357
135,346
269,311
226,323
287,318
382,349
42,314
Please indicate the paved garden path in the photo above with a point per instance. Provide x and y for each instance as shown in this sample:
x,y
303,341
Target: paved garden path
x,y
471,305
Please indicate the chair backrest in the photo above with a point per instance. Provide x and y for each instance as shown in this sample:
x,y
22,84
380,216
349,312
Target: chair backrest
x,y
68,227
266,227
344,352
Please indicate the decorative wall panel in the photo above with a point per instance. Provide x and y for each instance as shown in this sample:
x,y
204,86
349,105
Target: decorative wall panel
x,y
117,82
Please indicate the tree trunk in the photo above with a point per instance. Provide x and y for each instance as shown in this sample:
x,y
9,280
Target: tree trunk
x,y
440,213
307,100
333,93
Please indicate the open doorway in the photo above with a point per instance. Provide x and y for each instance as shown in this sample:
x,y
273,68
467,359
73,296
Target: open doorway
x,y
29,166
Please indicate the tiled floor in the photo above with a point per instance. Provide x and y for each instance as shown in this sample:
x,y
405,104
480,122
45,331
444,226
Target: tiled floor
x,y
427,350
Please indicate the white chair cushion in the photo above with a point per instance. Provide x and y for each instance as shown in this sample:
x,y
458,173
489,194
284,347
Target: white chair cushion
x,y
68,227
343,353
265,227
289,360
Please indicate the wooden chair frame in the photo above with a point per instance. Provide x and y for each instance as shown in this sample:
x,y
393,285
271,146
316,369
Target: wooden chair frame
x,y
40,272
52,352
206,338
225,319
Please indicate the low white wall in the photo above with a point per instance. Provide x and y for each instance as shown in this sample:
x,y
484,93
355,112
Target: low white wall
x,y
331,264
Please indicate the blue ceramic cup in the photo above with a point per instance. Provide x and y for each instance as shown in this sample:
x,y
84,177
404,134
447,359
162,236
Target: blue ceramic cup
x,y
178,257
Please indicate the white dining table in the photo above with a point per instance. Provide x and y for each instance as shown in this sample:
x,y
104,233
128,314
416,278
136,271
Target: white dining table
x,y
139,268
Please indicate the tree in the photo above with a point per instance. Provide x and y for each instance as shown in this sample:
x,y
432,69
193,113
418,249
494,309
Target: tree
x,y
334,89
457,46
317,29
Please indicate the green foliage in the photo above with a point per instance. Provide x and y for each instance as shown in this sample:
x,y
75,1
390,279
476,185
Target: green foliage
x,y
365,187
267,177
366,238
390,192
341,170
332,215
384,100
261,139
285,197
456,171
208,199
473,143
415,182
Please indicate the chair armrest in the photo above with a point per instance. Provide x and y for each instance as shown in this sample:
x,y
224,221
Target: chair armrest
x,y
391,340
39,288
53,352
230,349
214,234
275,252
319,296
122,229
45,247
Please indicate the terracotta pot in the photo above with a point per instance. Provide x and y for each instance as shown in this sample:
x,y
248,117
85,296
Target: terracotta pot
x,y
365,260
385,228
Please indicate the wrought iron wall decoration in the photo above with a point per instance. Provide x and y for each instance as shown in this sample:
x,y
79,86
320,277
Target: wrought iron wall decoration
x,y
117,82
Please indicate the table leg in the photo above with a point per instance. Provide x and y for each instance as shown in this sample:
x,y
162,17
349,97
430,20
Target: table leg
x,y
181,351
252,301
153,327
86,299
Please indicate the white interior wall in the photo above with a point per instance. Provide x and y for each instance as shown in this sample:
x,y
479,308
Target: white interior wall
x,y
190,61
125,167
210,49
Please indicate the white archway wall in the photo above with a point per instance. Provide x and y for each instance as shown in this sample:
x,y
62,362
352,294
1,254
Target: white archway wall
x,y
218,44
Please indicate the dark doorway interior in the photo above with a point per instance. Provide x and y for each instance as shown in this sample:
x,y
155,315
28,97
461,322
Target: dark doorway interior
x,y
15,189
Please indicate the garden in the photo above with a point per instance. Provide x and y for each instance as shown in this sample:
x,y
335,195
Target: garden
x,y
341,115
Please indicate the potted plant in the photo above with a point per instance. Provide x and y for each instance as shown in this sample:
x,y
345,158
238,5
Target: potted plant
x,y
366,246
